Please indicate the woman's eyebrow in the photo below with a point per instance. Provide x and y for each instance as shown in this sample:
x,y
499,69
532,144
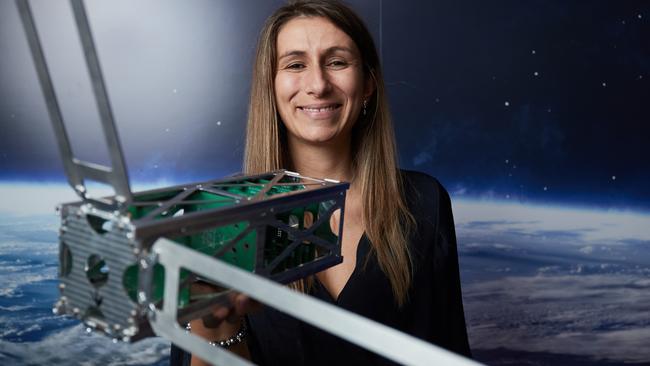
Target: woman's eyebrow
x,y
338,48
292,53
328,51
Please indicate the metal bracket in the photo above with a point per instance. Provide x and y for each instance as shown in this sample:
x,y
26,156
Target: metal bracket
x,y
373,336
77,170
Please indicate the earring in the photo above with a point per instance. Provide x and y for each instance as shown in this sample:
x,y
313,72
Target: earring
x,y
365,104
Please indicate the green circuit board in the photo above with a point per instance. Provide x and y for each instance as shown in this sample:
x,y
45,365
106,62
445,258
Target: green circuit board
x,y
244,252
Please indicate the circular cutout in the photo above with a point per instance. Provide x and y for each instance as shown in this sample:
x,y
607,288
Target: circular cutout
x,y
334,221
99,224
97,270
308,219
65,260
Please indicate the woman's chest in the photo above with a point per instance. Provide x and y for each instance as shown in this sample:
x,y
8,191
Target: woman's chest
x,y
335,278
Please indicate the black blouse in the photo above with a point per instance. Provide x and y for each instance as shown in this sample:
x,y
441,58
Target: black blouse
x,y
433,312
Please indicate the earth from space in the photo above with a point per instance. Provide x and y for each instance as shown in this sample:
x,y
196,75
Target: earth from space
x,y
542,285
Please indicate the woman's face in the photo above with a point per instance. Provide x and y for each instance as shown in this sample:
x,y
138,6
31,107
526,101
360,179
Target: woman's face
x,y
319,83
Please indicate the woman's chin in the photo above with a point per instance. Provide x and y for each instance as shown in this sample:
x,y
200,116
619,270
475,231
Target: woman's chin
x,y
322,142
320,137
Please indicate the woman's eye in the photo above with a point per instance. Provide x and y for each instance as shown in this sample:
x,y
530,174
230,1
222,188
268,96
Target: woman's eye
x,y
295,66
337,63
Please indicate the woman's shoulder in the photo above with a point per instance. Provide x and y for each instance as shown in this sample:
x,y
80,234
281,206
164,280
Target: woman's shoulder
x,y
428,202
420,187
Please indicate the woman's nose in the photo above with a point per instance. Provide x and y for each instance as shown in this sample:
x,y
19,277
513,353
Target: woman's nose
x,y
316,82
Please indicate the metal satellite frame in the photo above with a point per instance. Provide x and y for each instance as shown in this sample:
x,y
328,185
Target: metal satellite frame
x,y
127,261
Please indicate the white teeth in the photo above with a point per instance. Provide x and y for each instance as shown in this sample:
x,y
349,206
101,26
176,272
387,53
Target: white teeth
x,y
330,108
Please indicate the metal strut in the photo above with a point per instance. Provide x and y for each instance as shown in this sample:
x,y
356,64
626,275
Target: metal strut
x,y
371,335
78,171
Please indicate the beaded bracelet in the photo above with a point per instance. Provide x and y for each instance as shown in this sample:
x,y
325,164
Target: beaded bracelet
x,y
229,342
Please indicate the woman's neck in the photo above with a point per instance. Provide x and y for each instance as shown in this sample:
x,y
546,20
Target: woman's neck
x,y
333,161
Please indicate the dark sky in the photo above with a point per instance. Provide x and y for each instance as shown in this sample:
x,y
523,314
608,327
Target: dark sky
x,y
574,76
535,101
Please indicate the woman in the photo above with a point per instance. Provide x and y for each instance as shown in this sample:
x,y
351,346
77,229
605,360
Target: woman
x,y
318,107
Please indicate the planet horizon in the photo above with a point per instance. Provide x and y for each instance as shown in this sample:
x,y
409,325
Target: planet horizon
x,y
532,114
542,285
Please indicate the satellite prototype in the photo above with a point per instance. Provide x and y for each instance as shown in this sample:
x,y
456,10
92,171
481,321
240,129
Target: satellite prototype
x,y
127,261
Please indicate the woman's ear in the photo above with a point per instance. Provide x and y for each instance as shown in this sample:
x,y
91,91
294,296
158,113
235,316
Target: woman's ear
x,y
370,86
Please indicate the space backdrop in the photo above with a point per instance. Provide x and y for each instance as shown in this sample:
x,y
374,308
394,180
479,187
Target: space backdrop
x,y
535,115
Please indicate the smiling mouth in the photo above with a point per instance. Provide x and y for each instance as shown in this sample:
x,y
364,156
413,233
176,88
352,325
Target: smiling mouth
x,y
320,109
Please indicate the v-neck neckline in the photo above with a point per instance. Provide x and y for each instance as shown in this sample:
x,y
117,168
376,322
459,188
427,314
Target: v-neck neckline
x,y
362,240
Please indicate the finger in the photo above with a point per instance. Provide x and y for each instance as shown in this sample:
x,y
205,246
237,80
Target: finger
x,y
221,312
214,319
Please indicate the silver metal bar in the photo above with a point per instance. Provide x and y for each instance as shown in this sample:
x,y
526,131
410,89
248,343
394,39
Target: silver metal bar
x,y
77,170
93,171
118,177
164,323
223,193
65,149
183,203
262,193
373,336
244,211
169,204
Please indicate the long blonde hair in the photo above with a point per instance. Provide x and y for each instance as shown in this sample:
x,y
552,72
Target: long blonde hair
x,y
385,218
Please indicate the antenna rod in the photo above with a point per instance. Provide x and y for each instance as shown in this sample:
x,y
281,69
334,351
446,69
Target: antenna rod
x,y
77,170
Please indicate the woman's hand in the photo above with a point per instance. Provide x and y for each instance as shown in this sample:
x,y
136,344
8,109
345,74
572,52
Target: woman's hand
x,y
225,319
235,307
